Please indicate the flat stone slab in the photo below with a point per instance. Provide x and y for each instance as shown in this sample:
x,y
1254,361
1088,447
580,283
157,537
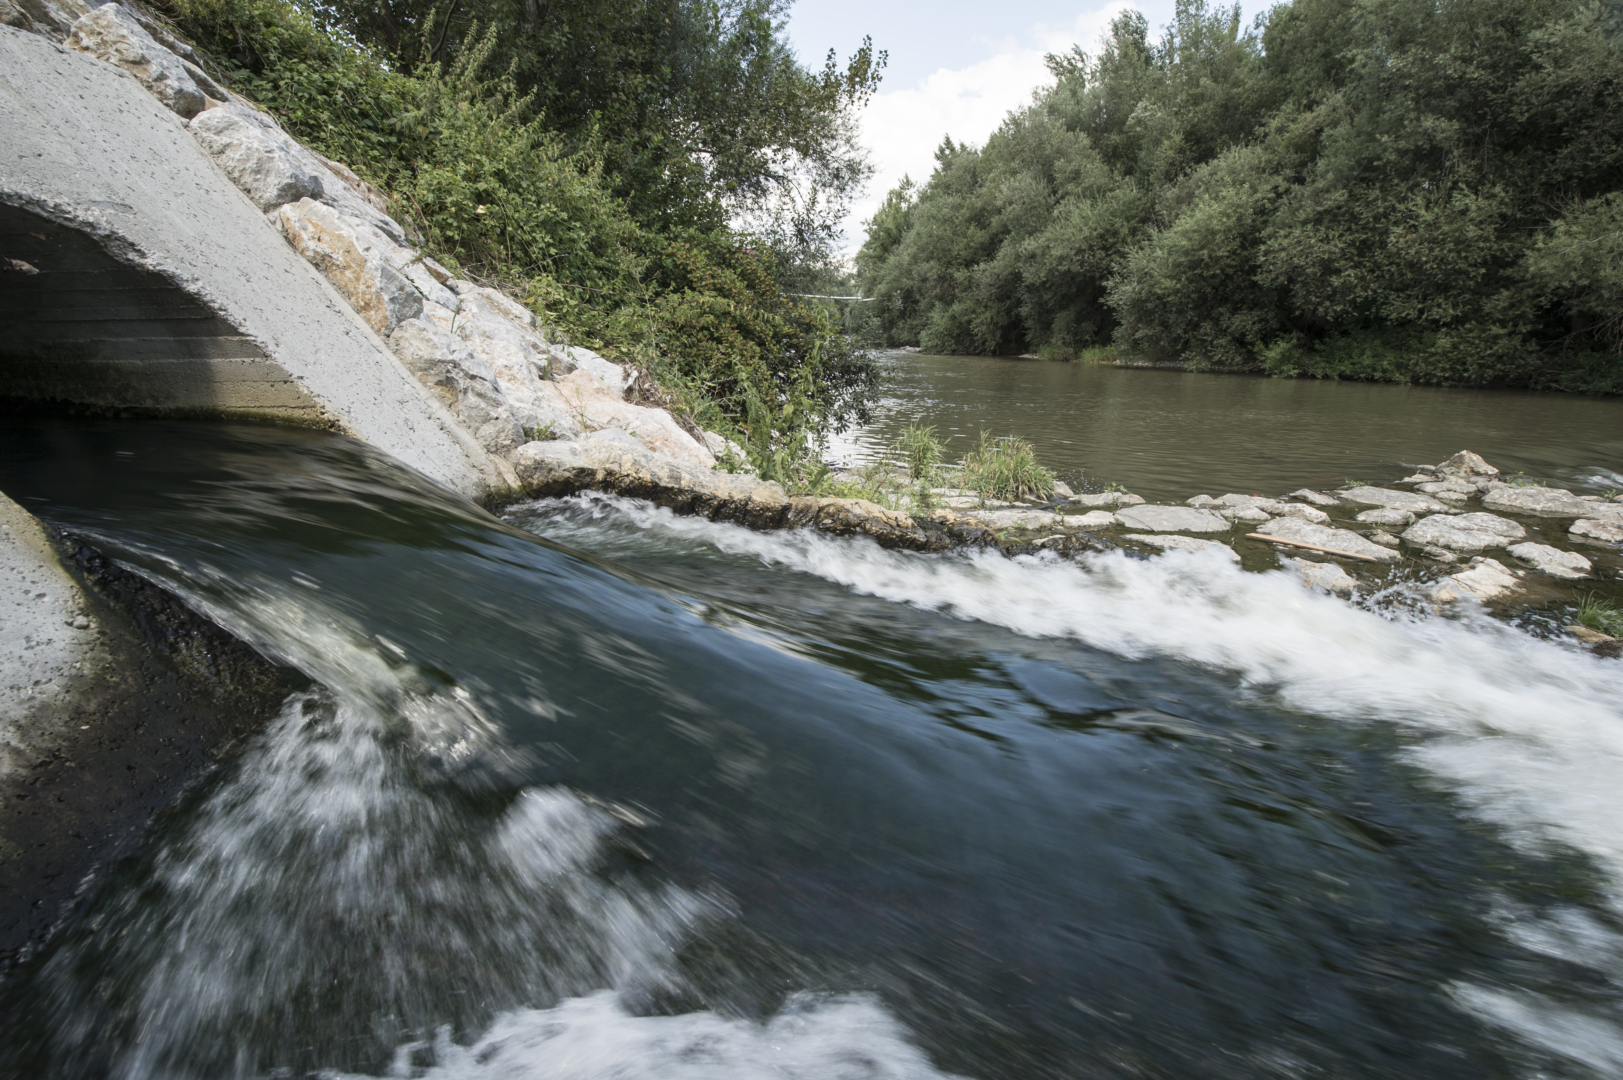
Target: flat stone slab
x,y
1593,529
1020,519
1184,543
1325,576
1412,501
1093,519
1463,532
1343,541
1107,498
1537,502
1487,579
1171,519
1260,508
1551,560
1385,515
1317,498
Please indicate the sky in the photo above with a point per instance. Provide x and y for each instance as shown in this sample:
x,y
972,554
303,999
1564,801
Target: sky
x,y
956,68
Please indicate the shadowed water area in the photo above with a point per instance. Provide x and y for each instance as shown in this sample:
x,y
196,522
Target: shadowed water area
x,y
1168,435
591,791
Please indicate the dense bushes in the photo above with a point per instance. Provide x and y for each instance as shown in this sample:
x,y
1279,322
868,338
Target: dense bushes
x,y
1387,189
493,185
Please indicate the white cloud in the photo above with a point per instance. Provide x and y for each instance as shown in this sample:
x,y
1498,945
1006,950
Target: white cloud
x,y
903,127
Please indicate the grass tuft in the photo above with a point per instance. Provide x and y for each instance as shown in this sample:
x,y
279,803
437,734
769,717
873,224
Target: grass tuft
x,y
1006,469
1600,614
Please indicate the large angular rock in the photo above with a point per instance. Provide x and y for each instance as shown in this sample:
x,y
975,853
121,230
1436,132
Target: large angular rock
x,y
1553,561
465,383
1537,501
1294,531
1412,501
113,34
356,259
258,158
1254,508
53,19
608,464
1171,519
1487,579
1466,463
598,405
1463,532
1594,529
1184,543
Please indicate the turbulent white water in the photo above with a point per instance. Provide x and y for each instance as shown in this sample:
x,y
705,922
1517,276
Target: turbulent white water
x,y
1529,732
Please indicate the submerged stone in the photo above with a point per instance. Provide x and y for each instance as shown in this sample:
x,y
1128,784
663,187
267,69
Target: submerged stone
x,y
1324,576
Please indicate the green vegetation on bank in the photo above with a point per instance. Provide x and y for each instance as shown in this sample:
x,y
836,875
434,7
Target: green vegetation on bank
x,y
1400,190
657,178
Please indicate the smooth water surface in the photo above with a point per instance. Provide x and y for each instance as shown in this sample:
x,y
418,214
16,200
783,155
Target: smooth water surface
x,y
594,791
1168,435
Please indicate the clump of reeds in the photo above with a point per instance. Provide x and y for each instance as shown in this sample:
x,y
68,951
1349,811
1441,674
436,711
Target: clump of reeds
x,y
1006,469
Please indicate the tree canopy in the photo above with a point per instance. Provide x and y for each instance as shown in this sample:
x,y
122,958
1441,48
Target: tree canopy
x,y
1414,190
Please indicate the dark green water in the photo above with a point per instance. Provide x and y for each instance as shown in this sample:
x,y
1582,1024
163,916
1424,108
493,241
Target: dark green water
x,y
594,792
1168,435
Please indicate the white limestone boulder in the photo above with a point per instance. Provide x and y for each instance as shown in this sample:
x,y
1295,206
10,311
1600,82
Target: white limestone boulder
x,y
598,405
1551,560
1486,579
1326,577
1412,501
1093,519
1294,531
51,19
1465,463
1463,532
355,258
1184,543
258,158
113,34
465,383
1019,519
1152,518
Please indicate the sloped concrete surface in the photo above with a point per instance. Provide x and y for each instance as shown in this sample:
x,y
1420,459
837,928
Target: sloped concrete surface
x,y
87,147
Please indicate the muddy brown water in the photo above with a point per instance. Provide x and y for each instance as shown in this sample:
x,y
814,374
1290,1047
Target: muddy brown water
x,y
1168,435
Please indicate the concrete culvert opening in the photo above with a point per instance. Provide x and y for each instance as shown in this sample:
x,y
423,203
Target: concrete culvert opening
x,y
84,330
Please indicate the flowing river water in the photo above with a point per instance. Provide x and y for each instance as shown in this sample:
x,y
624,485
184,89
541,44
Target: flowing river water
x,y
1167,435
593,791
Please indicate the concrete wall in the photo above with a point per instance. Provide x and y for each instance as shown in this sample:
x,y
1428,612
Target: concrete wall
x,y
203,308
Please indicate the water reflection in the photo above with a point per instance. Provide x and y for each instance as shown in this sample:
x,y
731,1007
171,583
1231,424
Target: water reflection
x,y
1168,435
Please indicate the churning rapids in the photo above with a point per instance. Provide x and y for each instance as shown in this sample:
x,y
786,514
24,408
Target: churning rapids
x,y
594,791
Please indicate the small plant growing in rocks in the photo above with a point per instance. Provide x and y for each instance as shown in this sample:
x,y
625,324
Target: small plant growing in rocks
x,y
1600,614
1006,469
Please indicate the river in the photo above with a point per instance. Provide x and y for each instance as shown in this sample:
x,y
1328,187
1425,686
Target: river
x,y
1168,435
592,791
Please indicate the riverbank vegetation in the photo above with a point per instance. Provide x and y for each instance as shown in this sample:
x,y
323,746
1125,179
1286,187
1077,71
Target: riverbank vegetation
x,y
1395,190
656,178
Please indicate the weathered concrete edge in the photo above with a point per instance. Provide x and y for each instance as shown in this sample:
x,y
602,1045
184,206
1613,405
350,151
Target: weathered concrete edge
x,y
88,147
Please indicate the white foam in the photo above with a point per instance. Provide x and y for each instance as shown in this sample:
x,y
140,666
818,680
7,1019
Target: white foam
x,y
592,1038
1529,732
